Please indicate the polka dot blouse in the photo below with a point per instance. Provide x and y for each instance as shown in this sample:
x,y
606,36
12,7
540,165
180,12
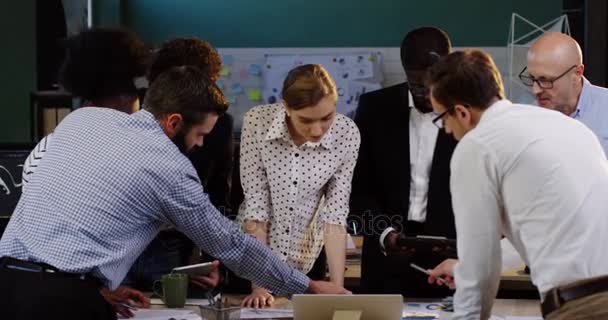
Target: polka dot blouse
x,y
296,189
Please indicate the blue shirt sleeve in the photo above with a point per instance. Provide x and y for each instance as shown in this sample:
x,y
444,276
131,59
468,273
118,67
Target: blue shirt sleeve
x,y
189,209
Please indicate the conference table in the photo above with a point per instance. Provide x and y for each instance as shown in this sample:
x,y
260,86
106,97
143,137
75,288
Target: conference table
x,y
513,279
502,308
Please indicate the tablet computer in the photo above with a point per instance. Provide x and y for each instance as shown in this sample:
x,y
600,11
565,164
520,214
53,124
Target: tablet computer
x,y
429,244
200,269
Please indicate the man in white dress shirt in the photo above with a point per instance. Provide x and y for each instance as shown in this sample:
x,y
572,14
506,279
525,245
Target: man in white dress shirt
x,y
533,175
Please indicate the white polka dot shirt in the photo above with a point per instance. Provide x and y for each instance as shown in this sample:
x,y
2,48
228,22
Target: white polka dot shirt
x,y
296,189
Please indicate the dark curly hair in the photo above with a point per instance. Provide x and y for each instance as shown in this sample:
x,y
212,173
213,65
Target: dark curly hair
x,y
102,63
186,52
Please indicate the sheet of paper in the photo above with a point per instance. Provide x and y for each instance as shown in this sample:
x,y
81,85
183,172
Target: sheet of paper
x,y
250,313
425,310
255,70
165,314
194,302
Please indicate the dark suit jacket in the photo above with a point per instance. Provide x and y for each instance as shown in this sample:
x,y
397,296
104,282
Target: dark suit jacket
x,y
381,188
213,163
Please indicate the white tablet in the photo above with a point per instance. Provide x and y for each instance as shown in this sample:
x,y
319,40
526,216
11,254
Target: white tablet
x,y
201,269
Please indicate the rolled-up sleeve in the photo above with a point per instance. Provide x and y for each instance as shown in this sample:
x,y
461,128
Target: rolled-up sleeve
x,y
340,184
189,209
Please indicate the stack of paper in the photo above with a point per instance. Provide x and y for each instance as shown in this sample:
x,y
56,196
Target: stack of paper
x,y
164,314
267,313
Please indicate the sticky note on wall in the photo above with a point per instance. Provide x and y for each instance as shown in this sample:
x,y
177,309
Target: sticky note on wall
x,y
236,88
225,71
255,70
254,95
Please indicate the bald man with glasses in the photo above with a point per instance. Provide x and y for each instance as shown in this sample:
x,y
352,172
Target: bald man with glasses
x,y
555,74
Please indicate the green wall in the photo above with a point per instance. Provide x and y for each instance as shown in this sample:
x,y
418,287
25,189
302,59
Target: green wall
x,y
18,65
107,13
256,23
328,23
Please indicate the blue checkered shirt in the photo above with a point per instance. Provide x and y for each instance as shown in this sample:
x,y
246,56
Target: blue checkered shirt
x,y
592,110
106,187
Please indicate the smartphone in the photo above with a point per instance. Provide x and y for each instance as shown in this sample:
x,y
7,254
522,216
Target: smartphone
x,y
201,269
429,244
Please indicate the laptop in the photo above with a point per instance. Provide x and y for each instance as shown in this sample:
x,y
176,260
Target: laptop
x,y
372,307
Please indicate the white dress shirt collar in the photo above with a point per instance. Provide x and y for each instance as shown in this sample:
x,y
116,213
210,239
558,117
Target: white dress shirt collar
x,y
410,99
279,130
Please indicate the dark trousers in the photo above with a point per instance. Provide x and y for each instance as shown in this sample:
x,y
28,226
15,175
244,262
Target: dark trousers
x,y
26,295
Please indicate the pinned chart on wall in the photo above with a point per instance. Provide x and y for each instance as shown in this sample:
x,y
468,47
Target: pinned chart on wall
x,y
225,71
253,77
354,74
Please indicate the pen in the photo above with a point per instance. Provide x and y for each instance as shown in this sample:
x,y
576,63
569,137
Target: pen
x,y
126,305
417,267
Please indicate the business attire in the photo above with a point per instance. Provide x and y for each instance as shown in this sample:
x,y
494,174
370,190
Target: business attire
x,y
171,248
539,178
592,110
213,163
297,189
100,198
401,182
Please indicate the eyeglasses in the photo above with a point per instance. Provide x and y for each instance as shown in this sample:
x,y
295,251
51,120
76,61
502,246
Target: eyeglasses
x,y
438,120
528,80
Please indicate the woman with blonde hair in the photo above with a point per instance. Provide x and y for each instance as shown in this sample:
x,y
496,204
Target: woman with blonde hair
x,y
297,162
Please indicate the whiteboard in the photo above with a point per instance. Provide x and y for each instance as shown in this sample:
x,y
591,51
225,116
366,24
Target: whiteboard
x,y
354,74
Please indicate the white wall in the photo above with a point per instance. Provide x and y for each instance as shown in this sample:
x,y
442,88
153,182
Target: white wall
x,y
392,69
